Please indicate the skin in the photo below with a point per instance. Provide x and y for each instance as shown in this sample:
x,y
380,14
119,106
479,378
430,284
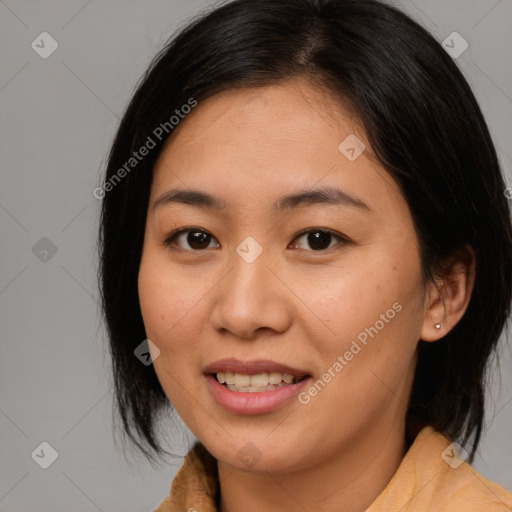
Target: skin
x,y
292,304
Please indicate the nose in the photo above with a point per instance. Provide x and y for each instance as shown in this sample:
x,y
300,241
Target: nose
x,y
251,298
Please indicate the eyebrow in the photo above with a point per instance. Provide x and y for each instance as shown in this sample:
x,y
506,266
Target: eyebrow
x,y
302,198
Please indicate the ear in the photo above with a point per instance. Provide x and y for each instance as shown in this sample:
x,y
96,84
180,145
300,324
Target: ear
x,y
447,299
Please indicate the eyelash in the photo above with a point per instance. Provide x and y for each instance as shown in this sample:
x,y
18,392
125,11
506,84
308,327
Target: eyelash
x,y
343,240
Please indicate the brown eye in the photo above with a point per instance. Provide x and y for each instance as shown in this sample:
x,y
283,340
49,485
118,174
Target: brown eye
x,y
197,239
319,239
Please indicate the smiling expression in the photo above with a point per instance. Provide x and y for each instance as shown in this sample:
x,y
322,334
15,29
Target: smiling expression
x,y
265,242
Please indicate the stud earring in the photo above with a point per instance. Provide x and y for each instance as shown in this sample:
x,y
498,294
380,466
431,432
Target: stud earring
x,y
437,327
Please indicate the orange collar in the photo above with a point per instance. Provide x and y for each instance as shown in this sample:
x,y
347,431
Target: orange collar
x,y
430,477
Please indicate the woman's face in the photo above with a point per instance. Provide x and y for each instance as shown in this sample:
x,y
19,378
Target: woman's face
x,y
331,289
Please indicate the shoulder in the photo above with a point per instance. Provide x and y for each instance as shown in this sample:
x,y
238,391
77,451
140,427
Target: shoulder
x,y
432,476
466,488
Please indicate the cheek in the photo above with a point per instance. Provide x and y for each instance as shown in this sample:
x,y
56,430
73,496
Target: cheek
x,y
367,363
358,300
168,315
374,313
168,307
155,300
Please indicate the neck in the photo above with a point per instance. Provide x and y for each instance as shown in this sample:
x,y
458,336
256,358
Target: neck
x,y
349,480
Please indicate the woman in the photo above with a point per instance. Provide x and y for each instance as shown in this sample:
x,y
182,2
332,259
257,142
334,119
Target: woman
x,y
304,229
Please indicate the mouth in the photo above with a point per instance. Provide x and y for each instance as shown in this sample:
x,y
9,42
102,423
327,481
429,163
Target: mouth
x,y
256,383
254,387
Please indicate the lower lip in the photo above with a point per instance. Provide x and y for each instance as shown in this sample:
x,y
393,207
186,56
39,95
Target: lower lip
x,y
257,402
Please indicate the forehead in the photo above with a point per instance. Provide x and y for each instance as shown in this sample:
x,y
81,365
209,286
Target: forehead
x,y
289,111
245,142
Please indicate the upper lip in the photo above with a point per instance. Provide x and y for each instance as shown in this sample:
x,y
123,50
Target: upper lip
x,y
252,367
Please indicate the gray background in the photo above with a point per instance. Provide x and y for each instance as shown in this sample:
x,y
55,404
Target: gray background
x,y
58,118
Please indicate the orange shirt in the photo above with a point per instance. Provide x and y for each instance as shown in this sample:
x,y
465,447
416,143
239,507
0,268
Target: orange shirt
x,y
430,478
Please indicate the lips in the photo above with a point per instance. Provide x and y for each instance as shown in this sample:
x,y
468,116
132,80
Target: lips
x,y
241,399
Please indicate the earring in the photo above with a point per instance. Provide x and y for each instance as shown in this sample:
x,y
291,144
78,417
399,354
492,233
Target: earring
x,y
437,327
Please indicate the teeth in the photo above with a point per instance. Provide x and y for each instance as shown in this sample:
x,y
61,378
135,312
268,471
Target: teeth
x,y
275,377
288,378
254,389
259,382
242,380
